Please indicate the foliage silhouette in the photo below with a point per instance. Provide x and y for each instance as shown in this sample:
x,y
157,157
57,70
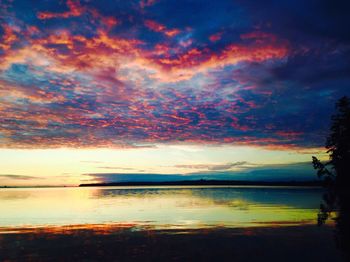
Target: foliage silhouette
x,y
336,177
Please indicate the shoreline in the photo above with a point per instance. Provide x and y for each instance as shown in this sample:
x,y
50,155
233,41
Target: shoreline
x,y
281,243
143,227
209,183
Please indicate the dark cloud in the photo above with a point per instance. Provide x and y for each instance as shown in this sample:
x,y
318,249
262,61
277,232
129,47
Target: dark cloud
x,y
18,177
216,167
302,171
278,172
91,161
116,167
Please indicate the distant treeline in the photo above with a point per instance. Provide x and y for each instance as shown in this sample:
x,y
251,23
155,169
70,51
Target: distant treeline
x,y
209,183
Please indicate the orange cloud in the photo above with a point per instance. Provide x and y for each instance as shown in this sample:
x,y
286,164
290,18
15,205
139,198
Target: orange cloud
x,y
103,51
8,90
75,9
8,38
215,37
109,21
259,37
185,66
145,3
157,27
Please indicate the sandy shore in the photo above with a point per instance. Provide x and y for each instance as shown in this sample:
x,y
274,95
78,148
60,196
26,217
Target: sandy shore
x,y
127,243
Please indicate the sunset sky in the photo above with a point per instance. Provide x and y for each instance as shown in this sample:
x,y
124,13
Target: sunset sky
x,y
100,91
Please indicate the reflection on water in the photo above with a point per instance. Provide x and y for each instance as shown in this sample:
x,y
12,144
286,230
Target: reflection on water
x,y
170,207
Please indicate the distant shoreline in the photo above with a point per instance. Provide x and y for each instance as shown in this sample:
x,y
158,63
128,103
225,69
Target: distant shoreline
x,y
209,183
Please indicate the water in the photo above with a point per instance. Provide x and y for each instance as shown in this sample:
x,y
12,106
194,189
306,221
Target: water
x,y
159,207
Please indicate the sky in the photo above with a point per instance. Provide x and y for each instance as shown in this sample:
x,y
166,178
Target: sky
x,y
101,91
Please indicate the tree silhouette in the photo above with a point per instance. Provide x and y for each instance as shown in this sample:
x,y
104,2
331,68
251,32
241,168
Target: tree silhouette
x,y
335,175
338,147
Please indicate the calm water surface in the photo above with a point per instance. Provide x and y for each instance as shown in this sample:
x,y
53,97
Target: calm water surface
x,y
159,207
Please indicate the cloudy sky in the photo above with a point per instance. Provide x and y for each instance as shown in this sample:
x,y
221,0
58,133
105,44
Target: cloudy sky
x,y
93,90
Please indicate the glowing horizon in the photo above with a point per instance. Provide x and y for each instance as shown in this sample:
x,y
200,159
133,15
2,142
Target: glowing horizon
x,y
76,166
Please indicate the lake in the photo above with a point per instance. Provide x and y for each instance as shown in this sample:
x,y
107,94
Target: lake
x,y
164,224
159,207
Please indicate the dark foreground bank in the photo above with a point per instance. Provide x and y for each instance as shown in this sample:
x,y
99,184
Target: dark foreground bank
x,y
110,243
